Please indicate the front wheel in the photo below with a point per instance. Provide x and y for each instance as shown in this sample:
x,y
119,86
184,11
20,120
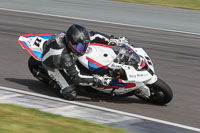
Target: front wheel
x,y
161,93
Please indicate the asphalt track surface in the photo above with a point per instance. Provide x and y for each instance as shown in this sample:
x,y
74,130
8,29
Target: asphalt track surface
x,y
175,57
112,11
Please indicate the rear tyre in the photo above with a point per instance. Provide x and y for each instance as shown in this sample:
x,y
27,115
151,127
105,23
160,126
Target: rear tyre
x,y
41,74
161,93
37,70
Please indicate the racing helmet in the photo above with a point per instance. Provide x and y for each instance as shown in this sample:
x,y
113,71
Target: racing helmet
x,y
77,38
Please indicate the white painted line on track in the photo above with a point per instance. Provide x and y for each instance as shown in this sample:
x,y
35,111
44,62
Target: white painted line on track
x,y
100,21
101,108
9,96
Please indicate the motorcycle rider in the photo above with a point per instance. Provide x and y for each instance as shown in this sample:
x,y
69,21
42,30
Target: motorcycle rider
x,y
60,53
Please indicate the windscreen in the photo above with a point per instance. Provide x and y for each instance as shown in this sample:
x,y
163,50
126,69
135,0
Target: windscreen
x,y
127,56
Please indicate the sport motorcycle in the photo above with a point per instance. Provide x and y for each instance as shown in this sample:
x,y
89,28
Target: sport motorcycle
x,y
130,68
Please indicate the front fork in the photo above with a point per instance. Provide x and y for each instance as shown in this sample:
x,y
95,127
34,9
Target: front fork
x,y
144,89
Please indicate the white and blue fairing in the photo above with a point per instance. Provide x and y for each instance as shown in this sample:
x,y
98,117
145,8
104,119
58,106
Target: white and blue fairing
x,y
33,43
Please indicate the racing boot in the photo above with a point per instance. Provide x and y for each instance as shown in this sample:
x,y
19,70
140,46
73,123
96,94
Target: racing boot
x,y
69,92
54,86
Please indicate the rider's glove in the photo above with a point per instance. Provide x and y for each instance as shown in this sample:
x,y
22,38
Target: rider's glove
x,y
101,80
118,41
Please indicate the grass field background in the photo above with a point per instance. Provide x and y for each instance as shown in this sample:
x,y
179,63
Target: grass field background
x,y
185,4
16,119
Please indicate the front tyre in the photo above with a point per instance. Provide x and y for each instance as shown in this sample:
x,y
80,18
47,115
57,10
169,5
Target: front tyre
x,y
161,93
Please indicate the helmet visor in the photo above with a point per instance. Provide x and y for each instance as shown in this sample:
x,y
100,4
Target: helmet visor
x,y
80,47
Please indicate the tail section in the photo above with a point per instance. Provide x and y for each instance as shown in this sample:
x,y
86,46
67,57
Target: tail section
x,y
33,43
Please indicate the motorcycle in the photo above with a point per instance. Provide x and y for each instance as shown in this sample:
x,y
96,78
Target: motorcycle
x,y
130,68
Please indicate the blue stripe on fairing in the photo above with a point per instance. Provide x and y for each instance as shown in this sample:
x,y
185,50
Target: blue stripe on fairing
x,y
44,37
38,54
92,66
25,44
117,83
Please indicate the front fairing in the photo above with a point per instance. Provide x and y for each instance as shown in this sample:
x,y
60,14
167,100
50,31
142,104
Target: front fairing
x,y
131,56
135,63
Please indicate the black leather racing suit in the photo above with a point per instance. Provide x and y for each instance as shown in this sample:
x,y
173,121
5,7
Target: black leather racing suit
x,y
61,63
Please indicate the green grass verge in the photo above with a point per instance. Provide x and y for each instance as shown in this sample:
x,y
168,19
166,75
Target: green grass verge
x,y
186,4
16,119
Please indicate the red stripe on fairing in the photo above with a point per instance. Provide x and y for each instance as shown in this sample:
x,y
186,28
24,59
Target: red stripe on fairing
x,y
36,35
129,85
96,63
143,64
109,87
28,35
120,80
29,50
107,46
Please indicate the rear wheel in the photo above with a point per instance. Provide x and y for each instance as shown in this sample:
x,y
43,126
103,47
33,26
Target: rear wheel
x,y
37,70
161,93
